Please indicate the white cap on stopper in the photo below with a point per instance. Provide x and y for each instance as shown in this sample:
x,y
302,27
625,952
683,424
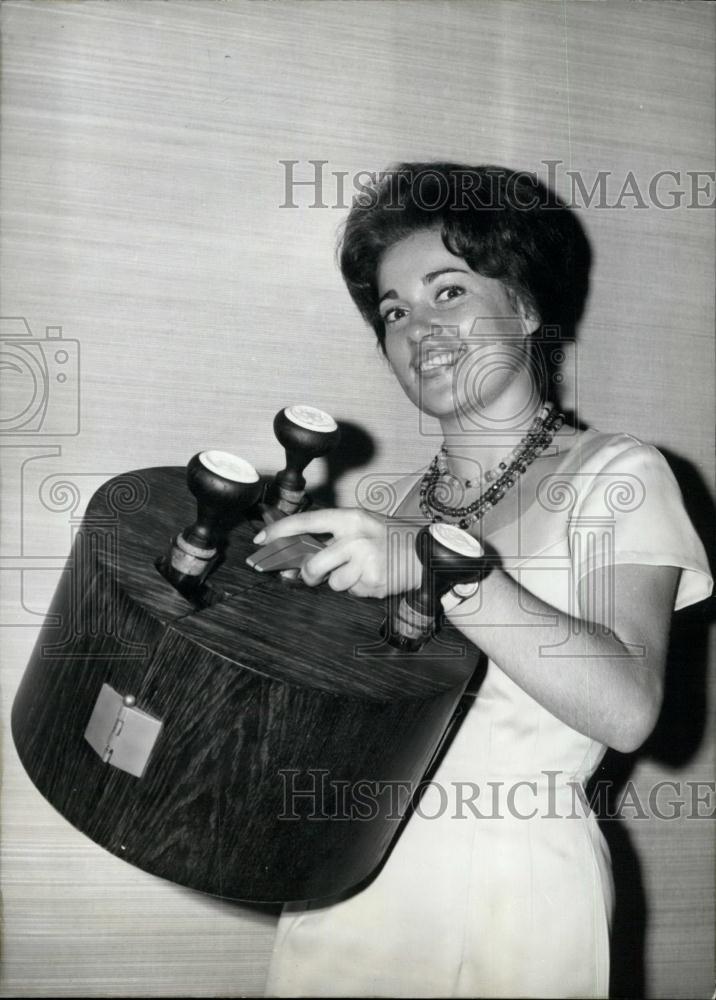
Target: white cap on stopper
x,y
229,466
311,418
457,539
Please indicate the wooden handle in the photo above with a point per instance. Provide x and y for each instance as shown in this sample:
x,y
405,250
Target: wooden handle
x,y
305,433
225,487
450,557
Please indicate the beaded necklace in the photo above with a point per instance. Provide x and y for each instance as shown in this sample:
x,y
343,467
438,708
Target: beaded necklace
x,y
435,481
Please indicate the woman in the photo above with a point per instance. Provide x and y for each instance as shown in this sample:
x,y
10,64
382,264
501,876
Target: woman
x,y
501,884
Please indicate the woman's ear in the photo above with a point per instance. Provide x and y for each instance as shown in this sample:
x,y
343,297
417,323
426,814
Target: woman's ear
x,y
529,317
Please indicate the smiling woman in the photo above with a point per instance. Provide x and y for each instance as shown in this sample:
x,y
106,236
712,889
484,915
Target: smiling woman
x,y
439,318
164,168
591,550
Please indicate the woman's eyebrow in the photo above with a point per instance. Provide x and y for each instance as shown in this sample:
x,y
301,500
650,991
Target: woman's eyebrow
x,y
430,276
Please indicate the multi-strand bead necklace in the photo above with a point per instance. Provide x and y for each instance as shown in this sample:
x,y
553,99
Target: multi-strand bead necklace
x,y
538,437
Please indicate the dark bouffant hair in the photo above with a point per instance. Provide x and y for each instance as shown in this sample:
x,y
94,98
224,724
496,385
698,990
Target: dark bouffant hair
x,y
504,224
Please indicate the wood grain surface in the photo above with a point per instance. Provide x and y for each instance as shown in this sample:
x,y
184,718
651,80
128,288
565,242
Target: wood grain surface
x,y
141,191
276,688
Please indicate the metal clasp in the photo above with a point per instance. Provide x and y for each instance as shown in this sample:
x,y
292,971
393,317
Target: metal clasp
x,y
120,733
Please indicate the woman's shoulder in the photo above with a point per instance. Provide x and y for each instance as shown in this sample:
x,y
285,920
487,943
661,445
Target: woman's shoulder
x,y
589,449
625,489
613,465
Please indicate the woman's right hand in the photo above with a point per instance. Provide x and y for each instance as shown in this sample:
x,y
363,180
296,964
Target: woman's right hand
x,y
368,556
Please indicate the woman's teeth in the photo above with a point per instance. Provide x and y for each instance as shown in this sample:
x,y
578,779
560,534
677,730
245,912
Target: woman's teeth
x,y
438,361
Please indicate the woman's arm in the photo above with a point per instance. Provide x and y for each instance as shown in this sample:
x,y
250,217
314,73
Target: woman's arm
x,y
602,674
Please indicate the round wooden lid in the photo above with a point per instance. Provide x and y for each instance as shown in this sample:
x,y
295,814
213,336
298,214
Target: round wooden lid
x,y
304,636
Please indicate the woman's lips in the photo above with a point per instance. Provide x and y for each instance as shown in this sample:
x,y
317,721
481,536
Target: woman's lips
x,y
437,363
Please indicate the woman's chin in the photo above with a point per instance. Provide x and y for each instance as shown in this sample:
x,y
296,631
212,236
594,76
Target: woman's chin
x,y
449,409
432,406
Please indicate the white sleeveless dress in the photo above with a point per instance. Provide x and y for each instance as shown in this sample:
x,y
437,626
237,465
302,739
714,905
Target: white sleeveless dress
x,y
500,885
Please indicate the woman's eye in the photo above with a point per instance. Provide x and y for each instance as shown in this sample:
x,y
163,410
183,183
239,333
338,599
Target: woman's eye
x,y
449,292
393,315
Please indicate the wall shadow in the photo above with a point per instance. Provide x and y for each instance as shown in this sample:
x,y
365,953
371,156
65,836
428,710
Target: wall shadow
x,y
355,449
677,737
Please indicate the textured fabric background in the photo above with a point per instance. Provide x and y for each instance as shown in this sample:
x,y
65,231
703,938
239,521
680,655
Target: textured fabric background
x,y
142,192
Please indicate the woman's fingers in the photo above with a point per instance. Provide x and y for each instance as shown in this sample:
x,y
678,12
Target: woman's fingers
x,y
317,567
351,564
355,560
345,577
312,522
338,523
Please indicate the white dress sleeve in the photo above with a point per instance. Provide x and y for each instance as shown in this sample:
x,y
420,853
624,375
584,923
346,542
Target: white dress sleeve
x,y
632,511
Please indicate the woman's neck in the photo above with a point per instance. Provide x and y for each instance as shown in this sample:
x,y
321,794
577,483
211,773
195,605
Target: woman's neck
x,y
478,444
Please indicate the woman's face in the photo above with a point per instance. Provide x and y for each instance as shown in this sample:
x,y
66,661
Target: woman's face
x,y
457,342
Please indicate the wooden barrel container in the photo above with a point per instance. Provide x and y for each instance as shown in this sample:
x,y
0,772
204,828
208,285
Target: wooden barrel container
x,y
278,722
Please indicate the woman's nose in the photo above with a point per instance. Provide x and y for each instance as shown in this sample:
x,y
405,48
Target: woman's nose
x,y
420,326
